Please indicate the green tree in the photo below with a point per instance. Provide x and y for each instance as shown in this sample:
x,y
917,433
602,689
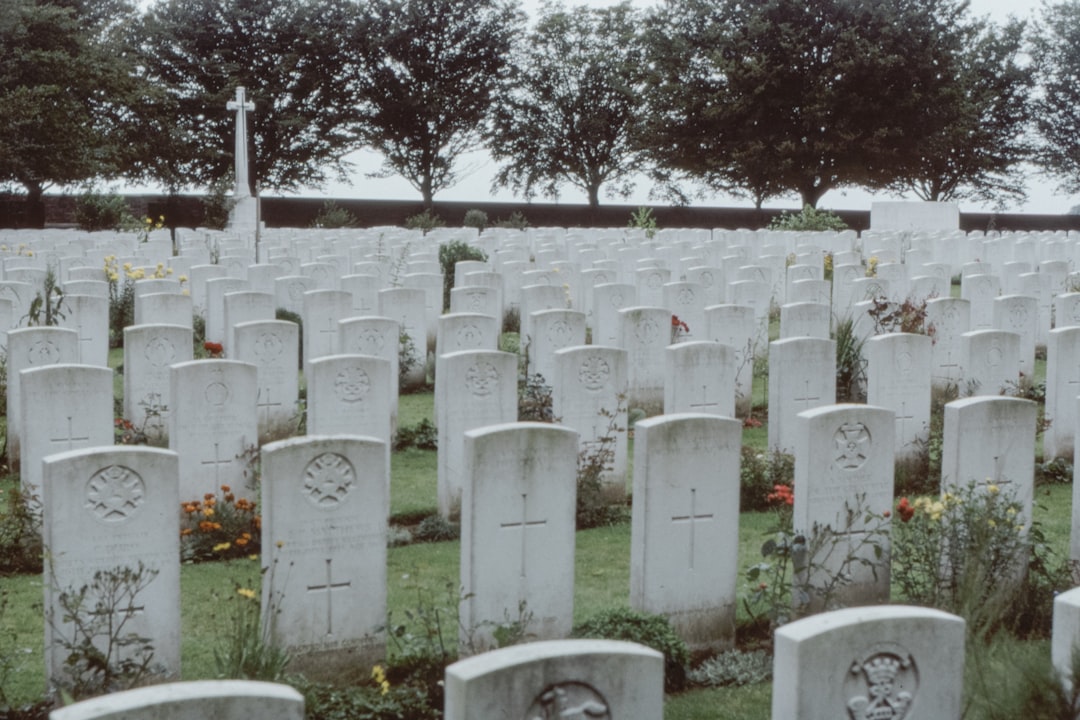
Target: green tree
x,y
795,96
425,71
65,81
288,56
1055,51
571,103
975,134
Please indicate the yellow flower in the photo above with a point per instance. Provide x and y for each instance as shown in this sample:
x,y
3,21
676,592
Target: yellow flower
x,y
222,547
168,271
253,557
379,677
29,253
993,489
1019,528
208,512
991,523
1011,511
127,266
113,277
280,543
183,278
245,592
185,291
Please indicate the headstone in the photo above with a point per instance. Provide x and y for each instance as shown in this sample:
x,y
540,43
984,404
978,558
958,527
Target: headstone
x,y
272,347
28,348
990,441
88,316
64,407
378,337
608,300
518,530
350,395
1020,314
112,510
645,332
149,351
478,388
558,679
588,394
805,319
989,359
1062,389
894,661
898,378
553,330
323,309
734,326
699,377
843,471
194,700
950,318
324,555
685,525
406,306
802,376
242,307
1065,640
213,424
164,309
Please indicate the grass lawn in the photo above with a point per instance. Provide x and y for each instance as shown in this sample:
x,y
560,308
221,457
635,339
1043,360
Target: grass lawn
x,y
426,576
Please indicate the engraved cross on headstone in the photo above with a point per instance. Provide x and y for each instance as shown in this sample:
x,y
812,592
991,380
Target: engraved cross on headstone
x,y
265,403
329,587
693,517
705,401
330,334
217,462
902,417
70,439
523,526
241,106
807,397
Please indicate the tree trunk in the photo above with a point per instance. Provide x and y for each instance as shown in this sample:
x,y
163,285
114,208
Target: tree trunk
x,y
35,204
426,192
594,196
811,194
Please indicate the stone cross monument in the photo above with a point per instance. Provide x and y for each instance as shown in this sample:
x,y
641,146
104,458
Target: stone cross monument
x,y
244,215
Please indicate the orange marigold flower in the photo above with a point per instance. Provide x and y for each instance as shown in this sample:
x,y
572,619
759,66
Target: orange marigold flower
x,y
229,497
208,496
225,488
206,526
241,541
217,526
185,532
258,522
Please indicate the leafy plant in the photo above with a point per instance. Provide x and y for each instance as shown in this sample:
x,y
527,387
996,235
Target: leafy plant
x,y
643,219
217,205
47,309
733,668
450,254
534,400
408,361
476,219
246,651
850,364
333,215
425,221
909,316
808,219
102,654
647,629
95,210
436,528
423,436
420,653
20,533
594,462
515,221
325,701
761,473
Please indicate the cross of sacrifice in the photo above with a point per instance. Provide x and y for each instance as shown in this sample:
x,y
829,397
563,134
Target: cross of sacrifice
x,y
241,106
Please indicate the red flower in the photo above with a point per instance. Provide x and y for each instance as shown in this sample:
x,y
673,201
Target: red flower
x,y
904,510
887,513
214,349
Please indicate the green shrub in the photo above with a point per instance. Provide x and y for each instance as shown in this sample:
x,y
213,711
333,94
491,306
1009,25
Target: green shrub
x,y
425,221
643,219
850,365
334,216
290,316
323,701
450,254
476,219
733,668
808,219
423,436
217,205
20,533
436,528
646,629
102,211
516,221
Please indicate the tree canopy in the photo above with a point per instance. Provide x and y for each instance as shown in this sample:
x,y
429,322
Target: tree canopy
x,y
775,96
569,109
424,72
64,89
1055,50
284,52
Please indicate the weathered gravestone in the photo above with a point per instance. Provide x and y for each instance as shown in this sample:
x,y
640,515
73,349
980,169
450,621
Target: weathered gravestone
x,y
406,306
990,441
898,378
843,473
734,326
196,700
323,309
603,679
645,333
88,316
685,527
29,348
951,318
517,531
802,375
608,299
111,513
213,425
242,307
1062,389
699,377
163,309
478,388
890,662
350,395
990,360
272,347
324,501
553,330
149,351
65,407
